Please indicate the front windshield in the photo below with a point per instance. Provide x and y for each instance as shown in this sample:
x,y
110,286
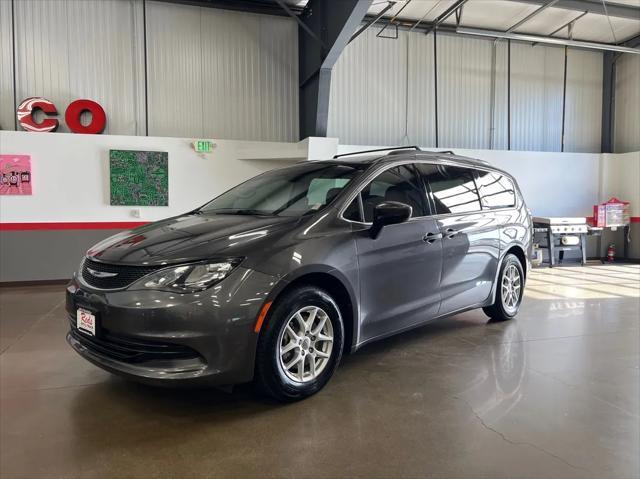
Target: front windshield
x,y
292,191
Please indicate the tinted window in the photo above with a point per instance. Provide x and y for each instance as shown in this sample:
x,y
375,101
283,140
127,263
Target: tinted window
x,y
453,188
395,184
352,212
496,190
289,191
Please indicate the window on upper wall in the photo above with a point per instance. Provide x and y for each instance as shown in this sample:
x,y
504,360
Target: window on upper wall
x,y
453,188
395,184
496,190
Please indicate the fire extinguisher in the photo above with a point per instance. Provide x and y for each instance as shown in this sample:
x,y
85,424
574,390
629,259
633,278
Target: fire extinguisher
x,y
611,253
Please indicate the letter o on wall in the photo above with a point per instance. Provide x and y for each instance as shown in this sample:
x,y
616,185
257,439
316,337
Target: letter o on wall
x,y
75,110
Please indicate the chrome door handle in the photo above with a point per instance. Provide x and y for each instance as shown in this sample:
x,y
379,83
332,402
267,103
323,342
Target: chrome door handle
x,y
431,237
451,232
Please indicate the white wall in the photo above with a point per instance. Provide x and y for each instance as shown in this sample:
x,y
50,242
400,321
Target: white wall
x,y
553,184
621,179
627,104
71,174
210,72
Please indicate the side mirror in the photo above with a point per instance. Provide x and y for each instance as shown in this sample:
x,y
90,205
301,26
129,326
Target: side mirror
x,y
389,213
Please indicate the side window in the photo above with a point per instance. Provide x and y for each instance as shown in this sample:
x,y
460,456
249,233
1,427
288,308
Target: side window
x,y
353,212
496,191
395,184
453,188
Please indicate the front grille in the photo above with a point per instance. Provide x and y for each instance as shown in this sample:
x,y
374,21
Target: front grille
x,y
125,275
130,350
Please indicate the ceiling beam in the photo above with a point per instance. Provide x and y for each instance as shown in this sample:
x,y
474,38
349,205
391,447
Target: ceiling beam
x,y
632,42
446,14
536,12
333,21
372,21
407,25
569,24
592,6
301,24
551,40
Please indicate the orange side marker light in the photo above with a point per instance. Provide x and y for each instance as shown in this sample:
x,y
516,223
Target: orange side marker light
x,y
261,316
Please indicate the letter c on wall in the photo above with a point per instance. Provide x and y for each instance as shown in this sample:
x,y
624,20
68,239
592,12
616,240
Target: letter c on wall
x,y
75,110
25,115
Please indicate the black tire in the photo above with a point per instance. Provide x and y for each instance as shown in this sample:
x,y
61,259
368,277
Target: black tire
x,y
498,311
270,376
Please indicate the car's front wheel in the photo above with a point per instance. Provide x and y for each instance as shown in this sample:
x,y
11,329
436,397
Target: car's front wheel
x,y
300,345
510,289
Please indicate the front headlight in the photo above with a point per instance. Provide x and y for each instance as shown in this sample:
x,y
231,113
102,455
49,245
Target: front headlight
x,y
187,278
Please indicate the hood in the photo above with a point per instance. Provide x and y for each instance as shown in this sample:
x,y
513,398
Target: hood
x,y
187,238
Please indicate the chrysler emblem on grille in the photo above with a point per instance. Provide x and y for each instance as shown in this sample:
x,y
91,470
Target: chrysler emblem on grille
x,y
101,274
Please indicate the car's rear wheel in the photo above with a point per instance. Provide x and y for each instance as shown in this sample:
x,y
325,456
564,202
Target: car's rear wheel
x,y
300,345
510,289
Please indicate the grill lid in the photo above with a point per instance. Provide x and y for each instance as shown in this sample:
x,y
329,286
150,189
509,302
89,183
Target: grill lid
x,y
113,276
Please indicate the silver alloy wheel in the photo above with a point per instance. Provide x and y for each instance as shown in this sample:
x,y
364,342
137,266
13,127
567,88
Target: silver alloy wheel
x,y
511,289
305,344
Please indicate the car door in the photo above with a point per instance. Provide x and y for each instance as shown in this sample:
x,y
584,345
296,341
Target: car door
x,y
400,269
470,243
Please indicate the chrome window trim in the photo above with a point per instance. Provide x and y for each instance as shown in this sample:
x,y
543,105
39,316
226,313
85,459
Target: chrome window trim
x,y
435,161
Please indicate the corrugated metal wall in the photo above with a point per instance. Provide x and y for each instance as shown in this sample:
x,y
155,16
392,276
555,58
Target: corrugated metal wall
x,y
627,114
221,74
174,70
211,72
368,92
6,68
369,86
536,97
234,75
583,123
464,92
422,120
70,50
369,106
499,130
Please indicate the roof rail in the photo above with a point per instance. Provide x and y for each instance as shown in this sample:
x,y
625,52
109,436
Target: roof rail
x,y
412,147
445,152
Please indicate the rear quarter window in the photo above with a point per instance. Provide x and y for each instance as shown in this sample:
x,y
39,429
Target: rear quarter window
x,y
496,190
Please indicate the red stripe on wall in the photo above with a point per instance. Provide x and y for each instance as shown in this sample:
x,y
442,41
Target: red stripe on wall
x,y
114,225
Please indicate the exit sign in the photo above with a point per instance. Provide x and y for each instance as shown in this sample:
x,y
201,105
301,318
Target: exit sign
x,y
203,146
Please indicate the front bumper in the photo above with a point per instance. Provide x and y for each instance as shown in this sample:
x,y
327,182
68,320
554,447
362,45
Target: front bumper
x,y
167,338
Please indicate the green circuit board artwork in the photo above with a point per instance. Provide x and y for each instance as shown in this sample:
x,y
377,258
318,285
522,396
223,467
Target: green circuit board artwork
x,y
139,178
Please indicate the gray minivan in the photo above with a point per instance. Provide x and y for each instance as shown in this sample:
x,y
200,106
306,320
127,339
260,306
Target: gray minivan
x,y
275,279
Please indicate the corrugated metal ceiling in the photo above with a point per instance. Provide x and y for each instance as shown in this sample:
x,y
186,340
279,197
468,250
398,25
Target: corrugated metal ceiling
x,y
502,14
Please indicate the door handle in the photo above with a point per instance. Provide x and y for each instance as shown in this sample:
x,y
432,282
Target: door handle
x,y
431,237
450,232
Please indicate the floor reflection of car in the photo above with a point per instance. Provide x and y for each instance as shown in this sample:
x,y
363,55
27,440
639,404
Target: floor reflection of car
x,y
496,386
275,279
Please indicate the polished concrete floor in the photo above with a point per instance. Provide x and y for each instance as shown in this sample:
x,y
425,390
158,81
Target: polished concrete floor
x,y
551,394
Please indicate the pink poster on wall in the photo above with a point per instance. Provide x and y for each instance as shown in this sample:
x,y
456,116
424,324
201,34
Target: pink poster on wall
x,y
15,175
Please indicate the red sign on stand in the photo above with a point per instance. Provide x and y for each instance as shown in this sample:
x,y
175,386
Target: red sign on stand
x,y
72,116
